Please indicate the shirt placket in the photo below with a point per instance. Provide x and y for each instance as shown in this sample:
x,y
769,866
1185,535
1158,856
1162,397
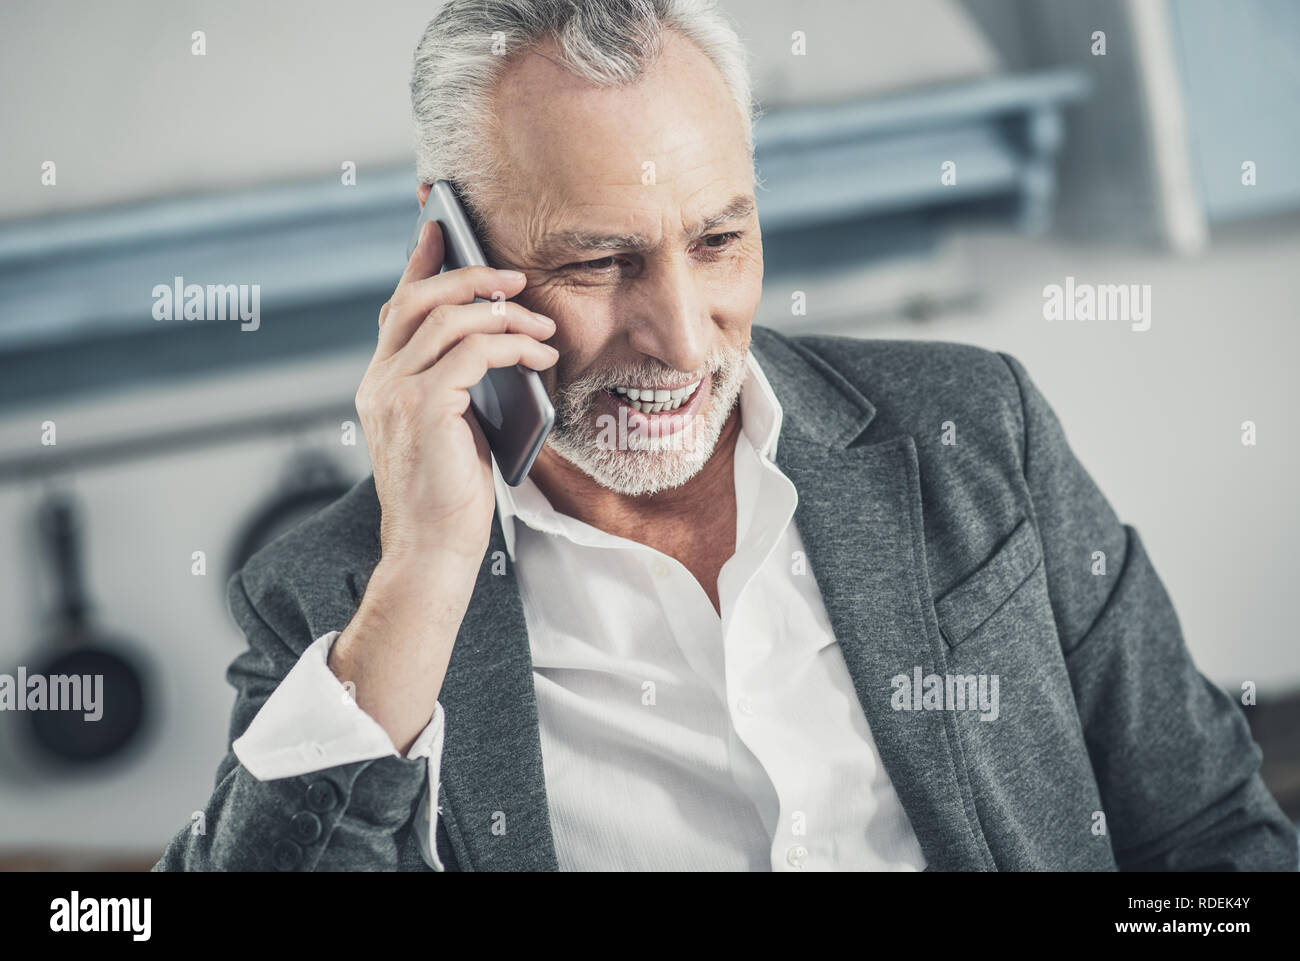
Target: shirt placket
x,y
748,701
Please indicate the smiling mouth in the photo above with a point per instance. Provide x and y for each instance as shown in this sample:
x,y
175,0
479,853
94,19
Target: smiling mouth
x,y
655,400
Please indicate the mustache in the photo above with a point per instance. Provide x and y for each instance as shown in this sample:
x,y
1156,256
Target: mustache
x,y
635,374
619,375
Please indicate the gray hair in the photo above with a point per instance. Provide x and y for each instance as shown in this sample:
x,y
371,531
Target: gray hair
x,y
608,42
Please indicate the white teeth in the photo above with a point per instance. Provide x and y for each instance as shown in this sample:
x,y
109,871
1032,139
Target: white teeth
x,y
650,400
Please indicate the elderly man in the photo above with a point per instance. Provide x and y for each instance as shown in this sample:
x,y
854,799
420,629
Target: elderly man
x,y
832,605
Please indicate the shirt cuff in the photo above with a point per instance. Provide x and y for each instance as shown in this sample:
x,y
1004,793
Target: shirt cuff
x,y
430,742
311,722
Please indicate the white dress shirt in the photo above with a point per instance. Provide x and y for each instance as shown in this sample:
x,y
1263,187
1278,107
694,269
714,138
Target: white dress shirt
x,y
673,738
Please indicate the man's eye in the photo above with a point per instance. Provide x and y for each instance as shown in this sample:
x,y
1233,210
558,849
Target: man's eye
x,y
712,242
600,264
723,239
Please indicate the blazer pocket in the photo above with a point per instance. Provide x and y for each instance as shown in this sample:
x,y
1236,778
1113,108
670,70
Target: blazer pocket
x,y
964,609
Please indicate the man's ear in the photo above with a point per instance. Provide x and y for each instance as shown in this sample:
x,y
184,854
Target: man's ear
x,y
422,193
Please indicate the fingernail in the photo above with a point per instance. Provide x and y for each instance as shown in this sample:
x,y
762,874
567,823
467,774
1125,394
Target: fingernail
x,y
514,275
546,321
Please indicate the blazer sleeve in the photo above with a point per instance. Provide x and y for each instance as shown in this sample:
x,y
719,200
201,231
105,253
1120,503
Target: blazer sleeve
x,y
345,817
1172,753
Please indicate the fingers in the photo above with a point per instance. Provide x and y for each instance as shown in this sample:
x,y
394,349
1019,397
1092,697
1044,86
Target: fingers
x,y
447,325
412,302
465,364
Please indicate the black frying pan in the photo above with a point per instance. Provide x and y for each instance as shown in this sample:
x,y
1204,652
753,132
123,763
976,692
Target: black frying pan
x,y
76,647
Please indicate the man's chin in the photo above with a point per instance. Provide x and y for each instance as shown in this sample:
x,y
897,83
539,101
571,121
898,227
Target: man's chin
x,y
633,473
636,452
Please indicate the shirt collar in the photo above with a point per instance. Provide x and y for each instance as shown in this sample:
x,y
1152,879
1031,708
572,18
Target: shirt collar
x,y
760,421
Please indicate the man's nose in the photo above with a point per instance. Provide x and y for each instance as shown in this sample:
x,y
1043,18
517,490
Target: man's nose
x,y
672,318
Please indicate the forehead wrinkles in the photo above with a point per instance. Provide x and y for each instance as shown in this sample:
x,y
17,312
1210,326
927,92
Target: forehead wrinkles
x,y
648,210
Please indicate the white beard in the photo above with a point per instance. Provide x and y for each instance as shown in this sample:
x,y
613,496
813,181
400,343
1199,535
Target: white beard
x,y
645,464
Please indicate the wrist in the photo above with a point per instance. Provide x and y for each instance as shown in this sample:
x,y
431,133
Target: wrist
x,y
409,616
424,568
431,550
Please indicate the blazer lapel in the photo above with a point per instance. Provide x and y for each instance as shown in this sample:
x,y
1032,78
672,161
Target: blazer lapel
x,y
859,515
493,791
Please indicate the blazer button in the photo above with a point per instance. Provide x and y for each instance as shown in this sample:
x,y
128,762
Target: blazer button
x,y
321,796
306,826
286,855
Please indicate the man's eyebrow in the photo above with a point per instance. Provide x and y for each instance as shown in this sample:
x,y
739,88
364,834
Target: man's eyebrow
x,y
738,208
560,242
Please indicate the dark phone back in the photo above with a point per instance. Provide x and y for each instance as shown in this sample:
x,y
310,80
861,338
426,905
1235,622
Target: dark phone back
x,y
510,402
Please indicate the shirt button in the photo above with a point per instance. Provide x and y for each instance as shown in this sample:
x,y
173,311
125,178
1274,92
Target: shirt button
x,y
659,567
311,749
745,706
796,856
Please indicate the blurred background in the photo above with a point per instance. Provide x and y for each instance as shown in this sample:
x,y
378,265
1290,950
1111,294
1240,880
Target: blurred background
x,y
928,166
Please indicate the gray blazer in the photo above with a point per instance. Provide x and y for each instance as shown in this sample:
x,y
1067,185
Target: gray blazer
x,y
1110,751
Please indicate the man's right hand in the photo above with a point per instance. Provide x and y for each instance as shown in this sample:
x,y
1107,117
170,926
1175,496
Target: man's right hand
x,y
433,471
433,475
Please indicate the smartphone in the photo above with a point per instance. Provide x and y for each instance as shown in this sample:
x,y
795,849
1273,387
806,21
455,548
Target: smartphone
x,y
510,403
